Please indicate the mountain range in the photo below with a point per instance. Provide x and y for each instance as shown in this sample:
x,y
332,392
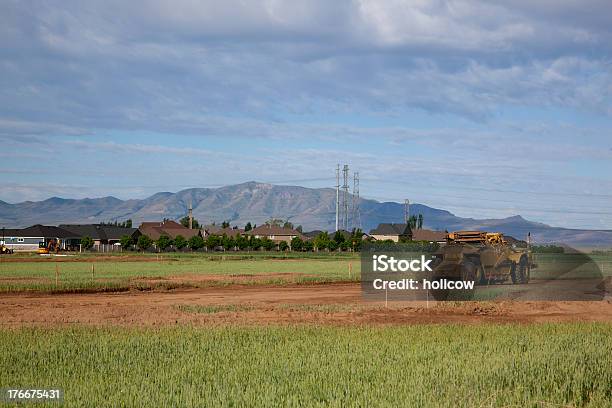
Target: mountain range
x,y
258,202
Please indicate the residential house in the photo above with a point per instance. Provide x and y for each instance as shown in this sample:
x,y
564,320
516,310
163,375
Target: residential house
x,y
230,232
393,232
276,233
100,234
31,238
429,235
171,229
211,229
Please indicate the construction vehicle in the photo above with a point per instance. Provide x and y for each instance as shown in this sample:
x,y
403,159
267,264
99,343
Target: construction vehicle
x,y
4,250
482,257
53,246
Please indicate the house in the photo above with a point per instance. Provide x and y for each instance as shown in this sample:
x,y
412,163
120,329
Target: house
x,y
393,232
230,232
31,238
100,234
429,235
171,229
275,233
211,229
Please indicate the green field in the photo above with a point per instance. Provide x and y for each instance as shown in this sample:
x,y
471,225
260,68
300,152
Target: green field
x,y
74,274
111,273
508,365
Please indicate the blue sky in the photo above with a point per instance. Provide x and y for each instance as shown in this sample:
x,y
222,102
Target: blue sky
x,y
487,109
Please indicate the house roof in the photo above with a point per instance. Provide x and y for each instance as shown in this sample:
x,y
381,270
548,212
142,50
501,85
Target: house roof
x,y
172,229
274,230
164,224
212,229
428,235
42,231
9,232
230,232
101,232
391,229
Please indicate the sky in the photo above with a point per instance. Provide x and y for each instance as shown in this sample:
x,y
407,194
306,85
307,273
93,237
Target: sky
x,y
487,109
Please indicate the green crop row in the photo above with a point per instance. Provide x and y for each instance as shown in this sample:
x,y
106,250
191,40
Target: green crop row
x,y
420,366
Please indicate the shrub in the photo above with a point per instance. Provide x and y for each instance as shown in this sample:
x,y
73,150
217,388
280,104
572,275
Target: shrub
x,y
126,241
87,242
144,242
180,242
163,242
196,242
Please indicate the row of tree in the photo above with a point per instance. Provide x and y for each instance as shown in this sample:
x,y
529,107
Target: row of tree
x,y
323,241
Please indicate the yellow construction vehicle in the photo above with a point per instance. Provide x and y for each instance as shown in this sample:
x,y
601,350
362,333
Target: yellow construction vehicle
x,y
53,246
482,257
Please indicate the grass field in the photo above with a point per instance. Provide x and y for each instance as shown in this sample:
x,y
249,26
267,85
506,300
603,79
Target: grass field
x,y
148,271
112,273
473,366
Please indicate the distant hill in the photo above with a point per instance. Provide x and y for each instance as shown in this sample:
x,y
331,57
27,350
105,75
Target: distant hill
x,y
258,202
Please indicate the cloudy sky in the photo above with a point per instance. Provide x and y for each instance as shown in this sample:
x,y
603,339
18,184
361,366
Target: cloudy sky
x,y
484,108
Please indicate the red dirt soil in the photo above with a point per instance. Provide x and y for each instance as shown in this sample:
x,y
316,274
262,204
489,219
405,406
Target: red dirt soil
x,y
333,304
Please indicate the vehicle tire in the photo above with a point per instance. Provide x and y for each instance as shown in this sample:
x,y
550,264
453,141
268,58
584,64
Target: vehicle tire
x,y
481,277
523,271
439,294
514,274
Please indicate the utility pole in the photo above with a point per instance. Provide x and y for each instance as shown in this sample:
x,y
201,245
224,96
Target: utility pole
x,y
345,196
356,214
406,211
190,216
337,196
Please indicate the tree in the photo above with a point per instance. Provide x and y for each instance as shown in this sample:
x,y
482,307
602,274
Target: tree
x,y
242,242
321,241
225,224
163,242
297,244
87,242
356,239
213,241
185,223
299,229
412,221
308,246
144,242
332,245
227,242
128,223
339,237
283,246
248,227
196,242
255,243
267,244
274,222
288,225
126,241
180,242
420,222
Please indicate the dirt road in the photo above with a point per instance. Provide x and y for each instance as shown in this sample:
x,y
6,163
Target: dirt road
x,y
335,304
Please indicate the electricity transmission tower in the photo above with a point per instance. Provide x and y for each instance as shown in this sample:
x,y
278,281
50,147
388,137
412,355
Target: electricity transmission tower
x,y
356,213
337,196
345,197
